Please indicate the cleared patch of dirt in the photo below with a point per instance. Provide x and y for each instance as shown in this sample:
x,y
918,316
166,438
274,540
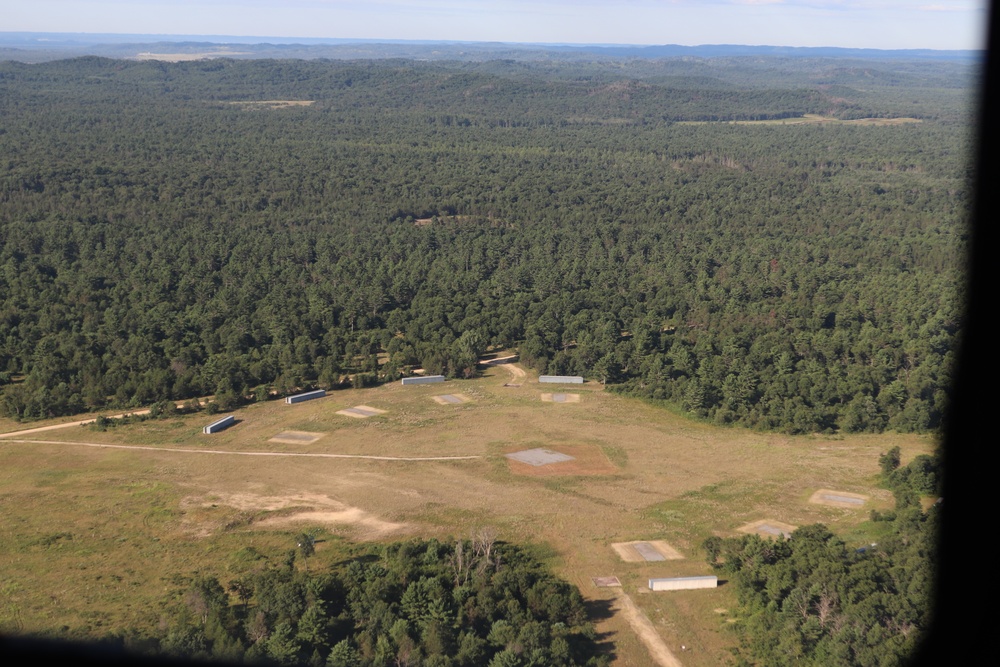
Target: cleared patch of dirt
x,y
305,507
628,553
838,499
274,104
587,460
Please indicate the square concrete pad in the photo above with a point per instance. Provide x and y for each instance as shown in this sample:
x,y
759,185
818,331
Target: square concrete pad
x,y
652,550
647,551
768,528
606,582
561,398
360,412
838,498
297,437
539,457
451,399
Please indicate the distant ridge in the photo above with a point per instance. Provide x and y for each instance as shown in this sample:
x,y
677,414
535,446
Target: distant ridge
x,y
37,47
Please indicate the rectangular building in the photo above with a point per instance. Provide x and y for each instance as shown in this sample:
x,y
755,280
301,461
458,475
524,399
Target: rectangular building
x,y
423,379
220,424
308,396
683,583
561,379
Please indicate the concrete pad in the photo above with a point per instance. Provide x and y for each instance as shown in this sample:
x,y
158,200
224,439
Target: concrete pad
x,y
838,498
539,457
361,412
561,398
649,551
451,399
606,582
768,528
297,437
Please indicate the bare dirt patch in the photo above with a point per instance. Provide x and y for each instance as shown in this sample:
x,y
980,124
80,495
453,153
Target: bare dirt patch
x,y
306,507
273,104
297,437
838,499
587,460
768,528
807,119
561,398
628,552
361,412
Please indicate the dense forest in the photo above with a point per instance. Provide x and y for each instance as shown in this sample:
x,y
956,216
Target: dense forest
x,y
170,230
474,602
812,600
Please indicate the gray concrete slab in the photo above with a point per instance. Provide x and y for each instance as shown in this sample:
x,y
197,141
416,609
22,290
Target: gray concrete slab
x,y
540,457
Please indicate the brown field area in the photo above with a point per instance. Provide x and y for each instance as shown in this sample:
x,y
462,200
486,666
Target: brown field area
x,y
186,57
94,538
273,104
808,119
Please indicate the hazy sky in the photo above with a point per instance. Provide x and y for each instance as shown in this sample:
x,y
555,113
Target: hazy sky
x,y
883,24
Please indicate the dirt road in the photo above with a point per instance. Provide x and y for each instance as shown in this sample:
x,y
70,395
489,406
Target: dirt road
x,y
82,422
507,363
643,627
235,453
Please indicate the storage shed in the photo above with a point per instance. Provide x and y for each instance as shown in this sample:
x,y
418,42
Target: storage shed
x,y
683,583
308,396
561,379
423,379
219,424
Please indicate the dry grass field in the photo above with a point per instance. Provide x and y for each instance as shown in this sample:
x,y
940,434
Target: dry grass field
x,y
94,538
809,119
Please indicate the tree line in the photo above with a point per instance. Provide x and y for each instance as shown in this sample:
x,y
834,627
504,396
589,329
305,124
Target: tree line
x,y
159,239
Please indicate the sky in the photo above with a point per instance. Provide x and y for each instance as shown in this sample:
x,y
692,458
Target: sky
x,y
878,24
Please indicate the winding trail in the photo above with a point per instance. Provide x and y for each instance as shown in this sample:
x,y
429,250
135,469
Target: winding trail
x,y
235,453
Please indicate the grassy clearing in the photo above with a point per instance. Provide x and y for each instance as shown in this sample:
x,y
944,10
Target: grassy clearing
x,y
807,119
94,539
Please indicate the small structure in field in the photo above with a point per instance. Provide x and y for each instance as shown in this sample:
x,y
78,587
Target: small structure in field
x,y
308,396
219,424
606,582
683,583
425,379
560,379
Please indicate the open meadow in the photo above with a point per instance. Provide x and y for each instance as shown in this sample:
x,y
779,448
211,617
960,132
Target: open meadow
x,y
101,527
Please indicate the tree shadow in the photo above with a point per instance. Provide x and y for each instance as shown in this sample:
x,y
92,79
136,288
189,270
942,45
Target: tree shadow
x,y
602,610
